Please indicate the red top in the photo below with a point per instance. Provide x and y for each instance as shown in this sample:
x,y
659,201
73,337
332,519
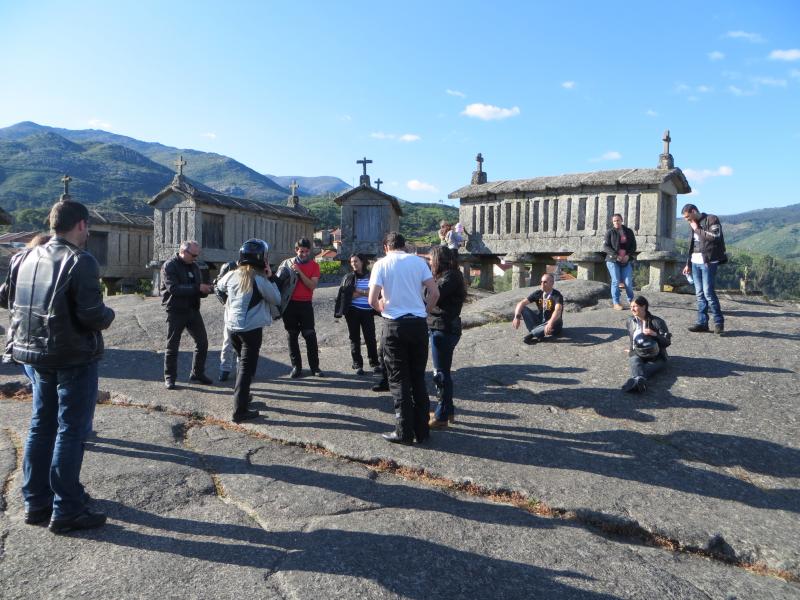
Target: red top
x,y
301,291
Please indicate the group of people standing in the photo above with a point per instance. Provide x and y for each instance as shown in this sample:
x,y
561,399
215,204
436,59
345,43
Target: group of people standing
x,y
58,314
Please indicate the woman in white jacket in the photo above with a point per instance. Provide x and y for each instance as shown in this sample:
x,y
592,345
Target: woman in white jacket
x,y
250,295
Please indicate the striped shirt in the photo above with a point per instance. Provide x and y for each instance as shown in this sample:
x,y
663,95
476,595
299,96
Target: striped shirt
x,y
362,285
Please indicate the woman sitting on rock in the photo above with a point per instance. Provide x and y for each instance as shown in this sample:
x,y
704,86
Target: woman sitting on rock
x,y
251,297
649,338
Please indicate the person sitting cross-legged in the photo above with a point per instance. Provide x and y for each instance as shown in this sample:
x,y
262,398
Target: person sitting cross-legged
x,y
647,352
547,319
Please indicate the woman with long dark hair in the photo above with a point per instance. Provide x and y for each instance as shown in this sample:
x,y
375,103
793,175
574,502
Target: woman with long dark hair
x,y
619,246
251,297
444,324
352,303
647,352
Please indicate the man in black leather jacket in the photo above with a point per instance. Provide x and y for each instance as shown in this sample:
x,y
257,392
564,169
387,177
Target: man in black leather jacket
x,y
181,289
706,253
57,313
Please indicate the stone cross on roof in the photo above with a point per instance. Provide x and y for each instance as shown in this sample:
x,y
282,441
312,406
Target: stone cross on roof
x,y
65,180
364,180
180,163
294,187
378,182
665,161
479,176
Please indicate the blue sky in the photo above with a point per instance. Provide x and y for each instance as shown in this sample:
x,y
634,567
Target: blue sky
x,y
307,88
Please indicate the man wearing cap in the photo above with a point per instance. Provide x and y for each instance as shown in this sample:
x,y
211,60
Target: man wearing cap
x,y
396,287
181,289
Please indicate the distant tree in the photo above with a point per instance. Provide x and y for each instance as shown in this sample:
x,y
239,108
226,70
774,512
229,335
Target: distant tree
x,y
31,219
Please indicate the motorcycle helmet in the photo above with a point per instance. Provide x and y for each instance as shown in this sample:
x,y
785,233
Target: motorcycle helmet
x,y
254,252
645,346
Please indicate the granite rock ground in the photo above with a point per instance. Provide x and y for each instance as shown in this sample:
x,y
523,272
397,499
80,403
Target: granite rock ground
x,y
551,483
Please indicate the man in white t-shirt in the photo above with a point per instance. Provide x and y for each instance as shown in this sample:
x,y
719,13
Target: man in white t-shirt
x,y
396,291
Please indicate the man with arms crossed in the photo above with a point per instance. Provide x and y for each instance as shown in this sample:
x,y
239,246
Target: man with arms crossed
x,y
57,315
396,291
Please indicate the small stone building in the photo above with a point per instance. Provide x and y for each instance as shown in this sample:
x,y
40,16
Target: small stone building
x,y
221,223
529,221
367,215
122,243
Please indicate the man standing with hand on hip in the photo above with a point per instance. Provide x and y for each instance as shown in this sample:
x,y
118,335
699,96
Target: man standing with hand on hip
x,y
396,289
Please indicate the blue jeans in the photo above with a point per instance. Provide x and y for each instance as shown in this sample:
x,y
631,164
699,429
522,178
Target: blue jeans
x,y
442,347
620,272
63,404
704,277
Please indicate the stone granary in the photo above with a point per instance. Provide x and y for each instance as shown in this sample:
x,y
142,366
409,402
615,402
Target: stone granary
x,y
367,215
122,243
221,223
529,221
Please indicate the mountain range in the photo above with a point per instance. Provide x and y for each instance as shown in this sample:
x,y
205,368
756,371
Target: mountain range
x,y
773,231
124,171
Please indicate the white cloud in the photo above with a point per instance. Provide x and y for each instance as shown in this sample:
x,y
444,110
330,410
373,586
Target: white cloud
x,y
209,135
406,137
651,113
770,81
489,112
793,54
345,118
456,93
700,175
420,186
704,89
610,155
754,38
568,85
692,98
716,55
682,87
737,91
96,123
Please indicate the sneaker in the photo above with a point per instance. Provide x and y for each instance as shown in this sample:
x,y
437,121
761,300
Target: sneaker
x,y
200,378
38,517
85,520
169,383
629,386
719,329
376,368
223,375
296,372
434,424
383,386
317,373
641,385
356,366
698,328
246,416
359,371
530,339
618,307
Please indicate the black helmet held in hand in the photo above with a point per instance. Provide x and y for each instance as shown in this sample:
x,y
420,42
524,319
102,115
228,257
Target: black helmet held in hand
x,y
645,346
254,252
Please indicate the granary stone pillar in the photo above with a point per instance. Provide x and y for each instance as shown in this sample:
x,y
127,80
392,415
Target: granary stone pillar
x,y
112,285
520,273
591,266
662,265
487,273
539,268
